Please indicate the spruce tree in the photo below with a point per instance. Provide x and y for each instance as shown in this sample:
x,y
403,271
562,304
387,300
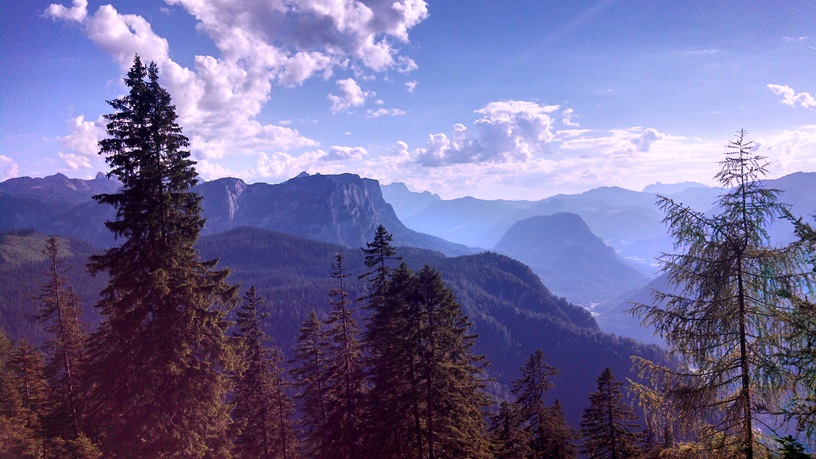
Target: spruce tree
x,y
550,437
344,379
727,322
28,401
308,373
156,373
510,437
608,425
60,311
262,412
20,435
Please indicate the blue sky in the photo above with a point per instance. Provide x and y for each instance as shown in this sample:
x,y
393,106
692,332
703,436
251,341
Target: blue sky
x,y
513,99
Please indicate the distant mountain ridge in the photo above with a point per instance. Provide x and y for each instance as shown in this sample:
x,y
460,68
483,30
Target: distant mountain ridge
x,y
569,258
343,209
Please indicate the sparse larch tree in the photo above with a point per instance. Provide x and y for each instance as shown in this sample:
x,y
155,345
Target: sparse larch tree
x,y
724,322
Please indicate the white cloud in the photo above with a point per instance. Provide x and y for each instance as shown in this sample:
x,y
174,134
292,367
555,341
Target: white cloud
x,y
567,118
411,86
508,131
351,95
384,112
791,97
338,153
76,13
79,149
260,44
8,168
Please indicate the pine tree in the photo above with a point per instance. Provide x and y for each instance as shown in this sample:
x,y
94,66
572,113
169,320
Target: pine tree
x,y
511,438
344,379
26,406
59,309
156,373
424,371
548,432
378,253
392,339
608,425
262,411
19,434
726,325
308,373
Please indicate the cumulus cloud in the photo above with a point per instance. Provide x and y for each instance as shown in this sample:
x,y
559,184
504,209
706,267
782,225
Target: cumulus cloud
x,y
8,168
75,13
260,44
508,131
79,149
411,86
351,95
792,98
338,153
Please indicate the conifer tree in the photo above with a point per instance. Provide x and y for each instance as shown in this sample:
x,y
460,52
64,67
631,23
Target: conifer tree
x,y
424,370
727,324
262,412
60,311
28,400
511,438
344,379
156,372
19,427
550,437
608,426
308,372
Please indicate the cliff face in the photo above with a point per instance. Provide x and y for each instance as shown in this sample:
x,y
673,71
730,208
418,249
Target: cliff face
x,y
342,209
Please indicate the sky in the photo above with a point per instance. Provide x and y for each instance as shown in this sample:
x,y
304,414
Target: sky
x,y
496,99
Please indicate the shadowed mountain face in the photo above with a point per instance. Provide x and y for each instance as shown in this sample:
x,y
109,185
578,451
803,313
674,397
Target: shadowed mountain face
x,y
571,261
343,209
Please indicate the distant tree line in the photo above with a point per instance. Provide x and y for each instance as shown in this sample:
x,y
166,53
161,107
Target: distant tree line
x,y
392,374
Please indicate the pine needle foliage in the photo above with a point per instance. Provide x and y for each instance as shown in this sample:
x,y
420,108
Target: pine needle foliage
x,y
308,372
725,324
156,371
262,411
609,426
344,380
60,311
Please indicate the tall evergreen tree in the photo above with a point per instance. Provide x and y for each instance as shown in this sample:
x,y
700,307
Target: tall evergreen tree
x,y
28,402
424,370
20,435
60,311
308,373
550,437
726,324
156,379
344,378
262,412
378,255
511,438
608,425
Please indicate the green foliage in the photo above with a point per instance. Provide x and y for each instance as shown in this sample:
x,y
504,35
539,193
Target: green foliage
x,y
262,411
511,438
344,380
308,377
792,449
60,310
155,377
423,368
608,426
727,325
